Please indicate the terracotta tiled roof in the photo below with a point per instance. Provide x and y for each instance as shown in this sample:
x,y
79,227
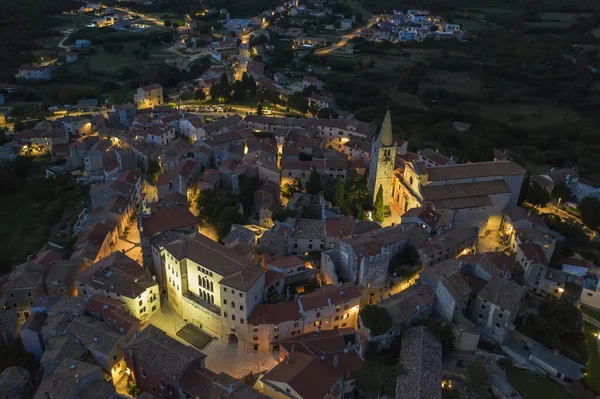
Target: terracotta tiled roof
x,y
329,294
287,262
238,272
474,170
170,218
163,353
533,252
152,86
117,273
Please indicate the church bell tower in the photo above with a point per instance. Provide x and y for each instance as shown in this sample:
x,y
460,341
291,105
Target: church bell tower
x,y
383,159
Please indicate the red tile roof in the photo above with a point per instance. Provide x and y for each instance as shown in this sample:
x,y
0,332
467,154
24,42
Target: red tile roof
x,y
114,312
305,374
339,227
329,295
271,277
47,258
153,86
275,313
534,253
286,262
171,218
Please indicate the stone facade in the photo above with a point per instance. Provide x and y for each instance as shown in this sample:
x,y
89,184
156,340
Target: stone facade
x,y
382,162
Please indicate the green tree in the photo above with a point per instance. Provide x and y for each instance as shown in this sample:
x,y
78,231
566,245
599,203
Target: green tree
x,y
313,108
443,332
589,209
153,171
478,375
168,23
314,184
227,217
249,84
537,195
283,214
248,185
562,192
379,206
298,103
340,193
199,94
376,319
239,91
374,378
409,256
175,25
289,189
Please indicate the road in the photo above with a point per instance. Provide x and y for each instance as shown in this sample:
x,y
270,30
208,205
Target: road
x,y
147,17
344,40
241,68
61,43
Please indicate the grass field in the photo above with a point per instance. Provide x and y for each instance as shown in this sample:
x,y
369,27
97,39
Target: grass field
x,y
454,82
592,375
533,386
112,62
471,25
528,116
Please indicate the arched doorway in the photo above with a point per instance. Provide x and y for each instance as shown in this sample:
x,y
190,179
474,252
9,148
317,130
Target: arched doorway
x,y
232,339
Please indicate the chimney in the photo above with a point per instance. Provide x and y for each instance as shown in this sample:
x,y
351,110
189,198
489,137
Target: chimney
x,y
319,330
77,378
293,348
336,361
529,212
329,301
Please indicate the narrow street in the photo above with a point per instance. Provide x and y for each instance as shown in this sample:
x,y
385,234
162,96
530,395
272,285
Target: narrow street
x,y
131,244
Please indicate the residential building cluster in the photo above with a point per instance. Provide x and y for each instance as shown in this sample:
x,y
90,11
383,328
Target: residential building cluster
x,y
412,25
260,290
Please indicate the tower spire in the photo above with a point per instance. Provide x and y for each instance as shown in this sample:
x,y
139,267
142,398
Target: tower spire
x,y
385,134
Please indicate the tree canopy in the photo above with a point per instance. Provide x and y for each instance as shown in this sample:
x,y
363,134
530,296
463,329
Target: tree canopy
x,y
589,209
537,195
376,319
379,206
314,184
377,378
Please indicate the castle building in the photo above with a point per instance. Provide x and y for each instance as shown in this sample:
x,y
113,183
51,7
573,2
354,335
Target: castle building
x,y
381,170
212,286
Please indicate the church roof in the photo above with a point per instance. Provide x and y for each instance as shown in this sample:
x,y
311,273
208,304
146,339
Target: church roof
x,y
385,134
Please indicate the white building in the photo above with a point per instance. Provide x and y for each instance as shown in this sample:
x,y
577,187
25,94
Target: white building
x,y
192,128
119,277
212,286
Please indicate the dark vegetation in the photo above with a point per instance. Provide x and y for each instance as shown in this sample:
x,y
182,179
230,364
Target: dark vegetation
x,y
512,80
224,209
376,319
22,22
557,326
36,209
